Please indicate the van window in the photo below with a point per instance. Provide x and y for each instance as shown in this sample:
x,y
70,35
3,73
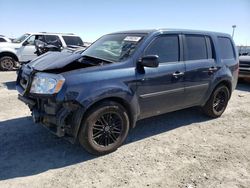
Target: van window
x,y
31,40
226,48
166,47
73,40
53,39
196,47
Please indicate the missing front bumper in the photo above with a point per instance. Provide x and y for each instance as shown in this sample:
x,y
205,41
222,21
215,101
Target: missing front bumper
x,y
59,118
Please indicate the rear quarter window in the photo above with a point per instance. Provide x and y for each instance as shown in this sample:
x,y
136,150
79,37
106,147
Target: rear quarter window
x,y
226,48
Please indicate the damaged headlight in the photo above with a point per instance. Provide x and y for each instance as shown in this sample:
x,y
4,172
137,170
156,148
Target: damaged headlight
x,y
44,83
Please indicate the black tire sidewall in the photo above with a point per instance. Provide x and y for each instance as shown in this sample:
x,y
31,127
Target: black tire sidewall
x,y
219,89
9,58
85,134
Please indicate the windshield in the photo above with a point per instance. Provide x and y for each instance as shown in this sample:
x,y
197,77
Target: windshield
x,y
21,39
114,47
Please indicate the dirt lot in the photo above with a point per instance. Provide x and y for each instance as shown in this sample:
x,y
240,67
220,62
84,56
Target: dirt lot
x,y
180,149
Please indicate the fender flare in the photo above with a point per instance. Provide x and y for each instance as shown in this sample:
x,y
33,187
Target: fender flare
x,y
222,80
125,97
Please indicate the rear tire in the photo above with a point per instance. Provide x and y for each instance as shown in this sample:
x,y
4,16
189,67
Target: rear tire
x,y
217,102
7,63
105,128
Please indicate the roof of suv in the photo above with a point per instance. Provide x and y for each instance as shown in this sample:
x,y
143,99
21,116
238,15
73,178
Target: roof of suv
x,y
148,31
47,33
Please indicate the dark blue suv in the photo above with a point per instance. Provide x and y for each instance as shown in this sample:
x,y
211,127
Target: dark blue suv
x,y
99,94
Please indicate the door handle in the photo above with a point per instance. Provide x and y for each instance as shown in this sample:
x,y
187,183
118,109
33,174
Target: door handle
x,y
178,74
212,69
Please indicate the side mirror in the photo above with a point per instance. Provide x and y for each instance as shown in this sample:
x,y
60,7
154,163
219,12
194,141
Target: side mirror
x,y
25,43
150,61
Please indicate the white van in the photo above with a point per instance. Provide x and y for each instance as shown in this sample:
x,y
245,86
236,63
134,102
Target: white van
x,y
23,49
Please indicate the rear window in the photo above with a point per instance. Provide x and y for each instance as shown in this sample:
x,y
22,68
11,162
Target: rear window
x,y
196,47
73,40
226,48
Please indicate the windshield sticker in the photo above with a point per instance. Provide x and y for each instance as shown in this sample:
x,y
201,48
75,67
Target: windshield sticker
x,y
132,38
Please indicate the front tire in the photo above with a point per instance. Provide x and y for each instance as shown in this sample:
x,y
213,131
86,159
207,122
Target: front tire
x,y
217,102
105,128
7,63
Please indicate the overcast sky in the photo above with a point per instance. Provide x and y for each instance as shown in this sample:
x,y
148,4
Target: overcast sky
x,y
93,18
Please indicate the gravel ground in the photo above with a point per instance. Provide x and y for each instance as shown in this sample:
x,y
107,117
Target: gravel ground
x,y
179,149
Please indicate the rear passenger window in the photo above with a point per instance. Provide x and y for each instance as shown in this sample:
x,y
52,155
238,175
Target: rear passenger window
x,y
166,47
196,47
73,40
226,48
53,39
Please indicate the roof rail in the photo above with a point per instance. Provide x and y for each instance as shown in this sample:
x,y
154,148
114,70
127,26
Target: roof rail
x,y
58,33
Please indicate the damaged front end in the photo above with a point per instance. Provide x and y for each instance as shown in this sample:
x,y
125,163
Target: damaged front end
x,y
44,91
60,118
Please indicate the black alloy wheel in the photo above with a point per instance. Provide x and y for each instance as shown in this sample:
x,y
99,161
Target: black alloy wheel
x,y
104,128
220,101
107,129
217,102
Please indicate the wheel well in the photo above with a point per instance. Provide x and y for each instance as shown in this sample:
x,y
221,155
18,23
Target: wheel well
x,y
227,84
121,101
2,54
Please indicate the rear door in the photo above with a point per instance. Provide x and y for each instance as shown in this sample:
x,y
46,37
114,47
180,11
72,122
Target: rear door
x,y
161,89
200,67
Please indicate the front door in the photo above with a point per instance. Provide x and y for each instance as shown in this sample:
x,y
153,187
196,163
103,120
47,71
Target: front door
x,y
27,52
161,89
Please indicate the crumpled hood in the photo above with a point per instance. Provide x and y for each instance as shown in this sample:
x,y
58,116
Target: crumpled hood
x,y
53,60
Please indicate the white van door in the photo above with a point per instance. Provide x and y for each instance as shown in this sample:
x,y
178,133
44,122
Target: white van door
x,y
27,51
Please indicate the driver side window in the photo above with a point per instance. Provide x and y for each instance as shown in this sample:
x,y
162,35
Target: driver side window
x,y
166,47
31,40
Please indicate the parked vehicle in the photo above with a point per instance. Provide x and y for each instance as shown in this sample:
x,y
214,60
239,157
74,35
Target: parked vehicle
x,y
244,50
23,48
42,48
98,95
4,39
244,67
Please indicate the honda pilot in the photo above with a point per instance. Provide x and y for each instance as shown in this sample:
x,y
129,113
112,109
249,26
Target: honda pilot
x,y
98,95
